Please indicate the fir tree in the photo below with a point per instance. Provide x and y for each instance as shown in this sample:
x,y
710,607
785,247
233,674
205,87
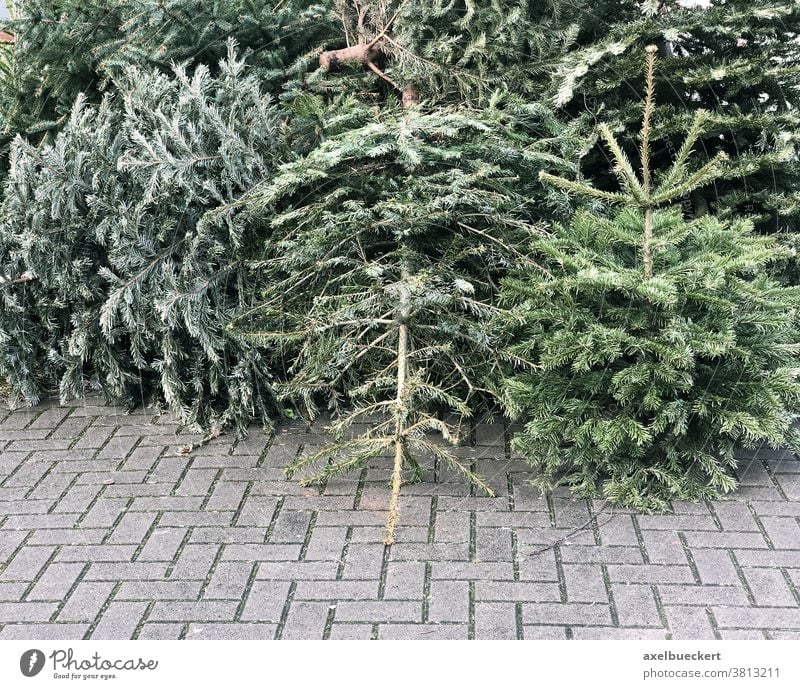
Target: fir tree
x,y
379,278
110,279
739,60
660,343
448,51
69,47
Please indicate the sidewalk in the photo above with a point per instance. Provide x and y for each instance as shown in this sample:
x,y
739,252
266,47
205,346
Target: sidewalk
x,y
109,531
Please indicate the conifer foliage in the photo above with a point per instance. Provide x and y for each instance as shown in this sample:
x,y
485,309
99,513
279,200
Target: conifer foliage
x,y
380,279
736,59
112,280
660,343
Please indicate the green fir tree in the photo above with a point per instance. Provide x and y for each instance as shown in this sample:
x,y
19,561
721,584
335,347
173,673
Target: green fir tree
x,y
660,343
738,60
112,279
380,276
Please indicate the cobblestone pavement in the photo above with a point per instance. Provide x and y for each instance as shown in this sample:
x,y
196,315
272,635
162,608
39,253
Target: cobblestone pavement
x,y
108,531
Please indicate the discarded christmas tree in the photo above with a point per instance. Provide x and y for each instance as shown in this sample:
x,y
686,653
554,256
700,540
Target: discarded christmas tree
x,y
661,343
380,281
736,59
110,281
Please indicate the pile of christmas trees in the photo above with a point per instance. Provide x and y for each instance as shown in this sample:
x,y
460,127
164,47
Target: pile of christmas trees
x,y
408,213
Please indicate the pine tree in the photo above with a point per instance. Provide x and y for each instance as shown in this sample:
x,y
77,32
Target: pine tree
x,y
660,343
739,60
112,279
379,280
449,51
69,47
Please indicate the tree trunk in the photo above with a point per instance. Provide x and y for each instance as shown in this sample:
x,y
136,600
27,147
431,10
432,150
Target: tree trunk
x,y
400,401
646,244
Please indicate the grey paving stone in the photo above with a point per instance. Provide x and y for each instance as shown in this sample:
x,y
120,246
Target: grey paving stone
x,y
115,571
26,612
186,611
119,621
86,601
10,541
265,601
257,511
495,620
230,534
254,552
338,590
169,468
666,522
94,437
379,611
195,561
708,539
25,507
702,595
306,620
448,601
104,512
767,618
364,561
96,553
532,632
635,605
493,544
519,591
473,570
132,528
768,558
689,622
296,571
651,574
12,592
404,581
291,527
769,588
161,631
45,631
226,496
326,543
664,548
541,567
351,632
158,590
584,583
229,580
410,632
609,633
196,482
783,532
197,519
606,555
619,530
162,544
28,475
416,552
742,634
56,581
734,516
566,613
176,503
26,564
52,486
237,631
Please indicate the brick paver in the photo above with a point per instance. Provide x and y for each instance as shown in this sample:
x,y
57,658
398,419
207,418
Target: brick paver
x,y
108,530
